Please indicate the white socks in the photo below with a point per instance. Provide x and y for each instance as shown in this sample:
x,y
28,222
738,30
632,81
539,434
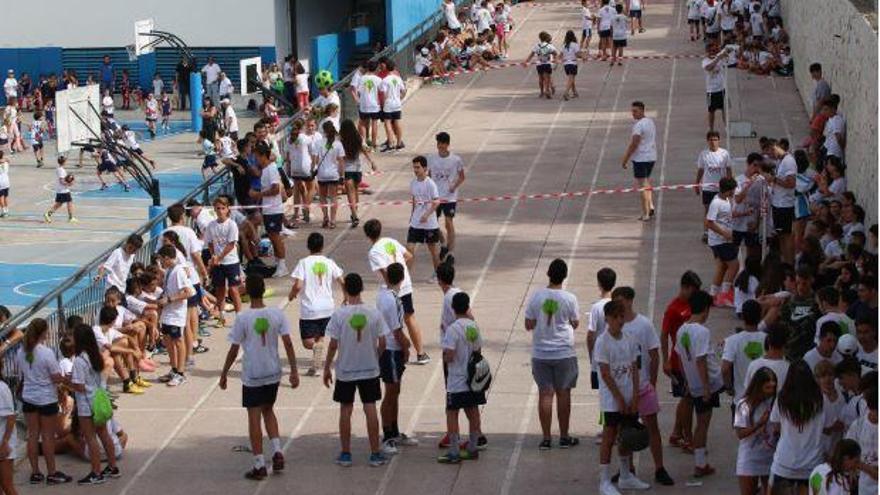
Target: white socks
x,y
700,457
625,466
259,462
276,445
713,290
604,473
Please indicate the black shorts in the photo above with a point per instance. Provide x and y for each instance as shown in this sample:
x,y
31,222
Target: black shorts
x,y
446,209
44,410
604,34
619,43
789,485
390,115
264,395
464,400
694,22
312,329
708,196
544,69
422,236
223,275
586,33
715,101
703,407
4,192
138,151
62,198
728,33
426,72
635,14
370,116
570,69
37,146
679,385
369,390
209,162
171,331
355,177
194,301
642,170
391,366
329,182
303,178
614,418
750,239
407,302
108,167
713,36
273,223
782,219
725,252
594,380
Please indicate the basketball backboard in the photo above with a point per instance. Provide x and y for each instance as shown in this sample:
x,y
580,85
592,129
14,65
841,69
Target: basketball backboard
x,y
141,40
251,68
76,116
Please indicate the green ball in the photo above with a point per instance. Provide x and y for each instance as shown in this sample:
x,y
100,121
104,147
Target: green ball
x,y
324,79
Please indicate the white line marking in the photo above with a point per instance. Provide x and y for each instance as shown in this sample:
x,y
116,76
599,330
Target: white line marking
x,y
652,290
18,289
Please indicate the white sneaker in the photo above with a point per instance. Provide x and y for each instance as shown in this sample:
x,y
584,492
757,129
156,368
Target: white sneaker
x,y
389,447
406,441
287,232
177,380
280,269
632,483
607,488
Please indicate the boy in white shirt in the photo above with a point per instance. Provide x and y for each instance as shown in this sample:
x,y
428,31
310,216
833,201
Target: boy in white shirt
x,y
221,236
713,164
552,316
257,330
358,332
117,266
177,290
606,278
461,340
619,30
369,111
314,277
606,16
394,91
423,225
617,358
446,169
719,223
741,348
864,431
63,181
694,347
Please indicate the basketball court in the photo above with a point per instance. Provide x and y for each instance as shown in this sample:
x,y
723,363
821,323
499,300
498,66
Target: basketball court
x,y
186,440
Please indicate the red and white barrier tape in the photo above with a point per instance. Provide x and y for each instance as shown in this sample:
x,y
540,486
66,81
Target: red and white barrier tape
x,y
557,4
506,65
509,197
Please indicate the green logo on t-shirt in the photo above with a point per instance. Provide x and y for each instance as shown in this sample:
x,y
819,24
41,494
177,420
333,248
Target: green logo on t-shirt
x,y
320,269
369,85
550,308
816,482
261,327
685,341
390,249
29,357
753,350
471,333
358,322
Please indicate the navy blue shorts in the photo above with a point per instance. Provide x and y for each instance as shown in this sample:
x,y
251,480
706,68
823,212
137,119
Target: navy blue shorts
x,y
273,223
422,236
312,329
642,170
223,275
62,198
446,209
725,252
210,161
369,390
464,400
570,69
4,192
172,331
708,196
263,395
751,239
194,301
107,166
406,302
391,366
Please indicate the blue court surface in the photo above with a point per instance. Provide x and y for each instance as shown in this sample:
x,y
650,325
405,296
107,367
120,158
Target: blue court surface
x,y
175,127
172,186
22,283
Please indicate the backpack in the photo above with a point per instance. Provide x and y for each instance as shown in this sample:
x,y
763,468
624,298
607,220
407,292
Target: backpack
x,y
102,409
479,374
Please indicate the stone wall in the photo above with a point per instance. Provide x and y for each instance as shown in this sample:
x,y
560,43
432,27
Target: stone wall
x,y
843,39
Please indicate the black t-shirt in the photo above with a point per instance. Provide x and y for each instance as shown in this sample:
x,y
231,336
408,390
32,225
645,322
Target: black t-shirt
x,y
48,91
183,72
241,181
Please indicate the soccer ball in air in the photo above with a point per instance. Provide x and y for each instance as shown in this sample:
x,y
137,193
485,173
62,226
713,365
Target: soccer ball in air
x,y
847,345
265,248
324,79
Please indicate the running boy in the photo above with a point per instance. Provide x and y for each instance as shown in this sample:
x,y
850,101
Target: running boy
x,y
446,169
358,332
256,330
62,193
221,236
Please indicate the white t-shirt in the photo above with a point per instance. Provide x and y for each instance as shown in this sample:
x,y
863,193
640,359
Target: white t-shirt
x,y
37,385
570,53
715,165
693,340
302,82
10,87
231,119
116,268
865,432
544,52
174,313
257,332
447,314
784,197
84,374
821,485
647,149
755,452
300,156
867,359
606,14
752,200
212,72
463,337
423,192
778,366
834,125
620,355
357,328
694,7
844,322
620,27
740,296
385,252
4,174
332,97
272,205
317,273
720,212
596,324
586,19
219,235
644,337
61,186
728,17
710,13
451,17
191,244
757,22
328,166
740,349
391,309
444,171
800,448
484,19
7,408
812,358
368,93
553,310
392,87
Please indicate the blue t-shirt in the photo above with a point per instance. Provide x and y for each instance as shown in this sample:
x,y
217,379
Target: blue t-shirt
x,y
106,72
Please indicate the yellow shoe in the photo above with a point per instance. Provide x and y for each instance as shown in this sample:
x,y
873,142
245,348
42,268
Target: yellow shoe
x,y
73,220
133,389
141,383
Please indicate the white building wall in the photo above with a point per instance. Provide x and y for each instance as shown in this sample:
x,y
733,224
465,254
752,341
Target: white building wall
x,y
108,23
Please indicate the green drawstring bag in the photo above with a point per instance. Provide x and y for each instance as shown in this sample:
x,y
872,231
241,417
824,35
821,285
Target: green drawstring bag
x,y
102,409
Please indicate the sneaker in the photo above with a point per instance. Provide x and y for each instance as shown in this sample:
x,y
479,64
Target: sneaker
x,y
482,442
177,380
448,458
91,479
256,474
432,279
545,445
423,359
47,217
344,459
728,299
190,362
280,269
200,349
140,382
133,389
277,462
400,146
607,488
405,441
37,478
377,459
663,478
702,472
389,447
111,472
72,220
568,442
468,455
630,482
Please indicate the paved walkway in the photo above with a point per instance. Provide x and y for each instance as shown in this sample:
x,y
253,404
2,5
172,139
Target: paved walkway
x,y
512,142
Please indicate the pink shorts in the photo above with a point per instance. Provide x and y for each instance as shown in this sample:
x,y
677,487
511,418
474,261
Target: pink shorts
x,y
648,403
